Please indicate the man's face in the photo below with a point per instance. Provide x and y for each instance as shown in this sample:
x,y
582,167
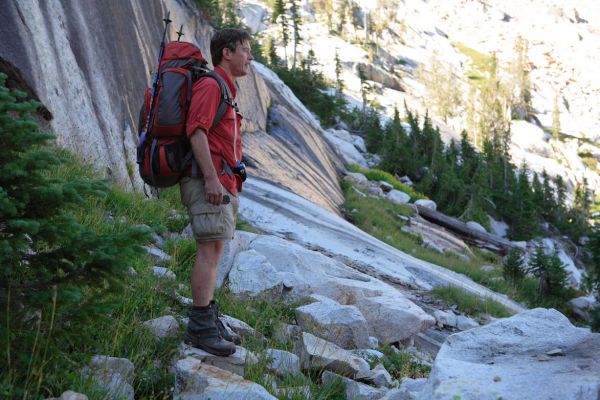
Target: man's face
x,y
240,59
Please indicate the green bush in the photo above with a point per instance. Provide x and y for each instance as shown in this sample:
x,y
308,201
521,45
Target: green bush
x,y
55,270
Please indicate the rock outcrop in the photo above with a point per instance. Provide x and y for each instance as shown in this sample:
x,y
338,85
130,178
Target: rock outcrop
x,y
537,354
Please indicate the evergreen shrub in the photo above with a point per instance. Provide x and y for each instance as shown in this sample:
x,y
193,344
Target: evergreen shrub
x,y
55,270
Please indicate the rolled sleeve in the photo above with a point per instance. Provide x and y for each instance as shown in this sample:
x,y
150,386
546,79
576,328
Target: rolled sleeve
x,y
204,104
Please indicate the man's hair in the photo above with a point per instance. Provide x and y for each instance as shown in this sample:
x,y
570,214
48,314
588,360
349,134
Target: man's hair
x,y
226,39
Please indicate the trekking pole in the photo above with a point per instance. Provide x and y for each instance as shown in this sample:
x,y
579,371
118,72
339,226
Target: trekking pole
x,y
167,21
180,33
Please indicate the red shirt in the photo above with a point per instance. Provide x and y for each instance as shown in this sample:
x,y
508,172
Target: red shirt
x,y
222,141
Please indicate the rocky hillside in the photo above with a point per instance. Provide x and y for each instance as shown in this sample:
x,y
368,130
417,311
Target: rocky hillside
x,y
417,38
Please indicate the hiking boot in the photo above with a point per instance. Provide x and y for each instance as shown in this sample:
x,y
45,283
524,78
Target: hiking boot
x,y
223,331
202,332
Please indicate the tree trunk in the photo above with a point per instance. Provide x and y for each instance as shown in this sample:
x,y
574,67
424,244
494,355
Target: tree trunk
x,y
481,239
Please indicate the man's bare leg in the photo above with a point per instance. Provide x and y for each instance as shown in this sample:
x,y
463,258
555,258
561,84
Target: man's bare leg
x,y
202,331
204,273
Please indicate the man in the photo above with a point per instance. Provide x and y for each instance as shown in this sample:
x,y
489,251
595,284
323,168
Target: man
x,y
217,152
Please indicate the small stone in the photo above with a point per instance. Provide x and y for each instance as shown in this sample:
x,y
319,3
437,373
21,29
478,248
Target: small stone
x,y
71,395
132,272
543,357
162,327
157,253
487,268
163,272
497,379
555,352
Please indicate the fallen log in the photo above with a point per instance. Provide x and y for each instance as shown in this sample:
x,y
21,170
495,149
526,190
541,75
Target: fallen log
x,y
478,238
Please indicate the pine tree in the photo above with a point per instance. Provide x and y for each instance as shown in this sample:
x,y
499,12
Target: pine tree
x,y
365,87
550,272
522,217
549,202
512,267
393,145
279,13
521,104
339,83
55,271
296,24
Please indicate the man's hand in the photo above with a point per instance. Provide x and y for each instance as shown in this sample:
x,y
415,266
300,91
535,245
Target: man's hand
x,y
212,190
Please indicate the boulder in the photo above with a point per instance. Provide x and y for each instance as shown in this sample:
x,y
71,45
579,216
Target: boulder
x,y
253,15
240,242
583,306
498,228
508,359
235,363
386,187
397,197
163,272
380,377
409,390
157,254
445,318
317,353
369,355
476,226
282,362
426,203
340,324
357,178
286,333
70,395
162,327
197,380
253,275
115,375
240,327
354,390
389,314
379,75
346,149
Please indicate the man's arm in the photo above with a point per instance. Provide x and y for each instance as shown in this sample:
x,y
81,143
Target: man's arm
x,y
213,192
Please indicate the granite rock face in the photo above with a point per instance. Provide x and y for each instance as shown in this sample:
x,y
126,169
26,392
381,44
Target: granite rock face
x,y
537,354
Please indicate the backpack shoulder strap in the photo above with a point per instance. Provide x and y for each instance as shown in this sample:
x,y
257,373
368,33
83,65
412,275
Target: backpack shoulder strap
x,y
226,97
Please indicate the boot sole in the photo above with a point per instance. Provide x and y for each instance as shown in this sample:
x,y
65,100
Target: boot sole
x,y
209,349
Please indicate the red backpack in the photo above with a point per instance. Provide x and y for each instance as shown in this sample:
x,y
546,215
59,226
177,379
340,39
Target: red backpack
x,y
164,151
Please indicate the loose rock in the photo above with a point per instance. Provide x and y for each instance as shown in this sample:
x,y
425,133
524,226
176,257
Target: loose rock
x,y
200,381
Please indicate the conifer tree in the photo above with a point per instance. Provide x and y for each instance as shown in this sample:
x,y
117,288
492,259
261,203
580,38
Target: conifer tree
x,y
365,87
538,192
393,145
522,84
549,202
522,216
512,267
339,83
279,13
55,271
551,273
296,25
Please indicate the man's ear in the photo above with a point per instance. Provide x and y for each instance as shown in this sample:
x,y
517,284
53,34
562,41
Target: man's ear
x,y
227,52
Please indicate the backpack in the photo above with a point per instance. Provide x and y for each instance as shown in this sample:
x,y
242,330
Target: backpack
x,y
164,151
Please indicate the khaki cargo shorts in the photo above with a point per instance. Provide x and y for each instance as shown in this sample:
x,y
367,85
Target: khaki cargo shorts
x,y
209,222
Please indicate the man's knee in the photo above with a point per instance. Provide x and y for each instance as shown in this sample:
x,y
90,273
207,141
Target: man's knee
x,y
209,250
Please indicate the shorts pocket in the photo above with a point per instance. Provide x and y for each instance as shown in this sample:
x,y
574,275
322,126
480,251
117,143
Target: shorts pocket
x,y
207,220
